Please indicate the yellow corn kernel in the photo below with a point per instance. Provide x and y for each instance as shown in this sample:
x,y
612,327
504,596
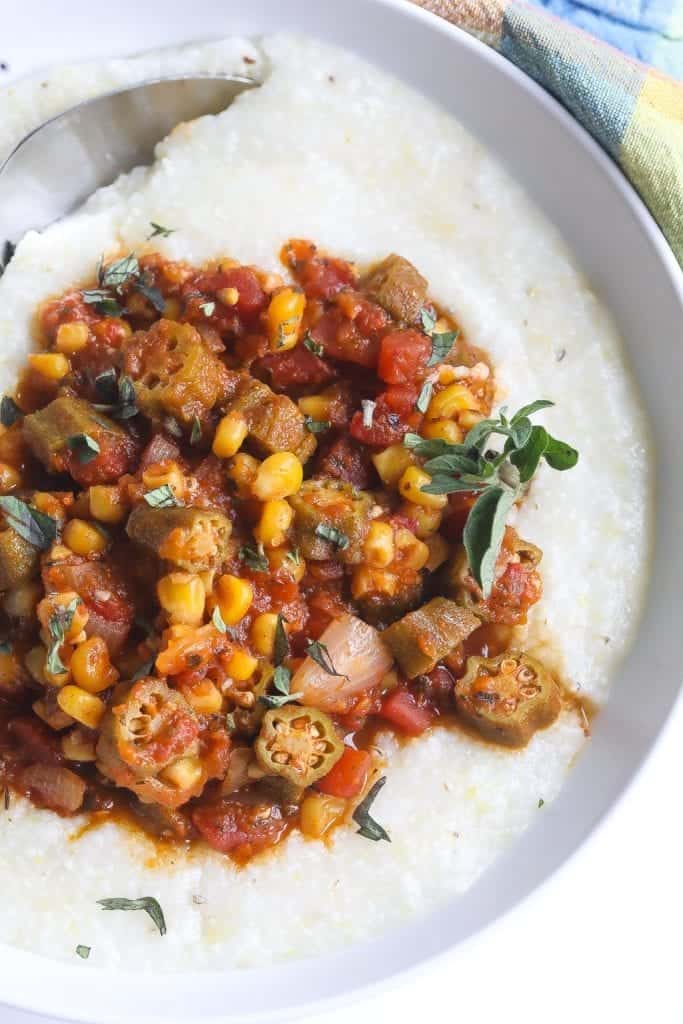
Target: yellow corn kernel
x,y
234,596
241,665
278,476
51,715
285,561
469,419
410,486
439,551
83,538
428,520
72,337
453,399
21,602
78,745
90,666
242,470
172,309
446,430
379,545
54,606
165,474
182,596
411,552
366,582
10,478
392,463
84,707
284,316
207,577
107,504
52,365
262,633
205,698
184,773
228,296
319,813
230,435
316,406
276,519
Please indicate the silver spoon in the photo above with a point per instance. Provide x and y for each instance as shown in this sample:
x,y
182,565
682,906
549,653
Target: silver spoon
x,y
63,161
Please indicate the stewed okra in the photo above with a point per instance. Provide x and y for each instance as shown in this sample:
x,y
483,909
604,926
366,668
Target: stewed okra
x,y
237,540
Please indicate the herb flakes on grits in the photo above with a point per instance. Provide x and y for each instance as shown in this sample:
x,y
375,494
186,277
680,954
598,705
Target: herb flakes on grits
x,y
303,524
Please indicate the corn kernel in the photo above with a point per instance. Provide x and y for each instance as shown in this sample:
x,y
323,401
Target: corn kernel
x,y
51,715
283,560
262,633
438,551
241,665
412,553
234,597
379,545
84,707
316,406
78,745
278,476
242,470
446,430
205,698
83,538
230,435
469,419
165,474
10,478
453,399
319,813
107,504
366,582
284,316
21,602
276,519
90,666
52,365
72,337
410,486
228,296
392,463
428,520
182,596
185,773
55,606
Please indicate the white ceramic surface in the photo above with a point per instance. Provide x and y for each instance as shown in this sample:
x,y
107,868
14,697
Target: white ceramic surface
x,y
627,261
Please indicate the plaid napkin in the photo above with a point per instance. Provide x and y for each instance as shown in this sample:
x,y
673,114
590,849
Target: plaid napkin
x,y
634,111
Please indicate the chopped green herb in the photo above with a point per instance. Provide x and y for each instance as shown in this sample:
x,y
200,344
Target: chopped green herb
x,y
59,625
321,656
196,434
281,644
6,799
208,308
335,536
368,827
312,345
146,903
428,320
441,343
103,302
294,556
316,426
152,295
254,558
368,408
35,527
118,273
159,229
162,497
282,679
83,952
218,621
8,250
9,411
84,447
120,401
425,396
106,386
541,801
6,647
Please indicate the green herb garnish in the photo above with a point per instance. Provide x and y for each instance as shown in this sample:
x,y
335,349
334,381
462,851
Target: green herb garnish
x,y
83,952
281,644
37,528
159,229
84,447
208,308
425,397
58,626
312,345
541,801
316,426
144,670
146,903
118,396
441,343
196,433
6,799
368,827
9,411
162,497
151,293
294,556
321,656
103,301
8,251
282,679
118,273
333,535
254,558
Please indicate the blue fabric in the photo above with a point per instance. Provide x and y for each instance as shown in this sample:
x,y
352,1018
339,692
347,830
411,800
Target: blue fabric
x,y
651,31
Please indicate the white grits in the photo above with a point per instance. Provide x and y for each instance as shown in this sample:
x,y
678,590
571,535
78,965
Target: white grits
x,y
363,166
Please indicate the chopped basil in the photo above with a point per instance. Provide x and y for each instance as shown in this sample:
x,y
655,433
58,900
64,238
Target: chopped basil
x,y
118,396
119,272
316,426
39,529
84,447
282,679
196,433
58,626
159,229
162,497
294,556
146,903
541,801
425,397
83,952
281,644
331,533
441,343
312,345
9,411
106,386
428,321
8,250
254,558
208,308
218,620
368,408
321,656
152,295
103,302
368,827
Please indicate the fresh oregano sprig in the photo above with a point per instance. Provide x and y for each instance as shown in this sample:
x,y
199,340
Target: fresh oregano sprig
x,y
499,478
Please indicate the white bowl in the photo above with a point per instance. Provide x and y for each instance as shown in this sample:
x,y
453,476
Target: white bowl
x,y
630,265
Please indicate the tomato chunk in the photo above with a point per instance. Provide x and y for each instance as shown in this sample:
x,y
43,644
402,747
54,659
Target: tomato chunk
x,y
297,367
239,826
402,710
403,356
349,775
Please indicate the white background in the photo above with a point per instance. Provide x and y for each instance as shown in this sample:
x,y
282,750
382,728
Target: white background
x,y
601,941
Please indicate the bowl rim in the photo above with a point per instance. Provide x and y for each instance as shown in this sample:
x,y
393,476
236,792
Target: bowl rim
x,y
402,954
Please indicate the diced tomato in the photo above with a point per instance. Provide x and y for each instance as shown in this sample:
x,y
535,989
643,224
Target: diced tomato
x,y
402,710
514,593
403,356
387,426
239,826
401,398
341,339
117,456
295,368
320,277
348,776
252,298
